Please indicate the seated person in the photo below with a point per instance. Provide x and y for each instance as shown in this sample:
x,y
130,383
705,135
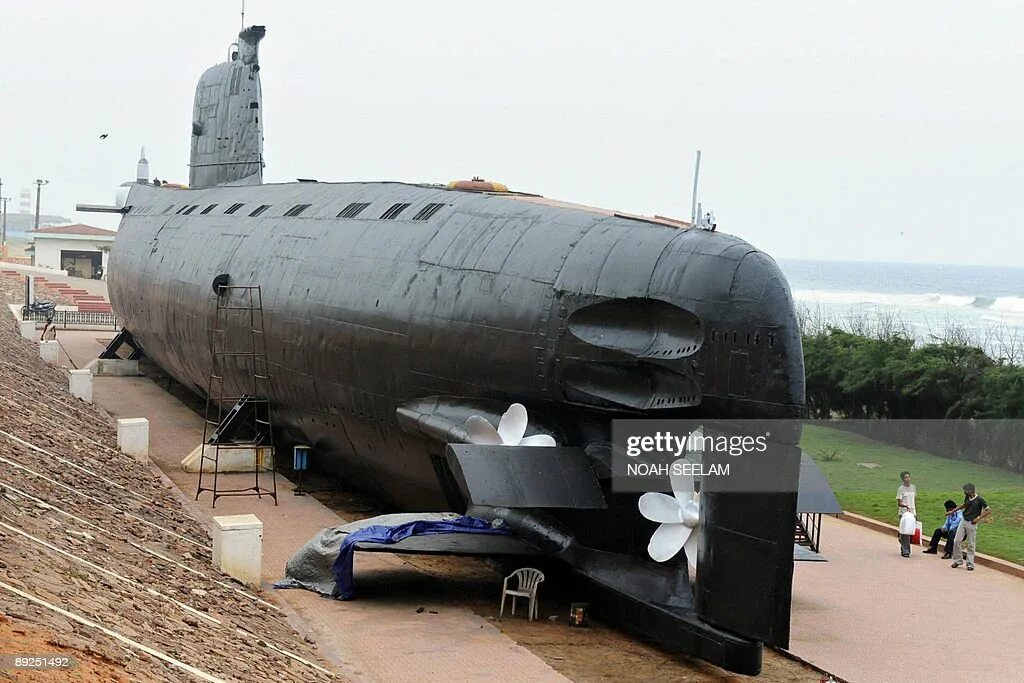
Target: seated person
x,y
947,530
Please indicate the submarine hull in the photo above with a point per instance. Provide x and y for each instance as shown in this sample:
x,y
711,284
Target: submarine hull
x,y
440,304
363,315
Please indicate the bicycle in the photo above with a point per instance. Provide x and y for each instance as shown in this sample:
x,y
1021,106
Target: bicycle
x,y
44,308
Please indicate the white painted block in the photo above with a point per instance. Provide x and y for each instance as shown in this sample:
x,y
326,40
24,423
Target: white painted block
x,y
28,329
50,351
133,437
238,547
112,367
80,384
231,459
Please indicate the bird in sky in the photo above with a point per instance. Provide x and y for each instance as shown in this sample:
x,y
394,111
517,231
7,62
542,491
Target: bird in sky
x,y
103,136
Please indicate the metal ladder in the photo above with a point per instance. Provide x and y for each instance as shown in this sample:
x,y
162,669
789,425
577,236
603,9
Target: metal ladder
x,y
239,376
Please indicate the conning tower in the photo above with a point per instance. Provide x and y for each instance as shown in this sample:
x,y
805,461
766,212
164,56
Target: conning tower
x,y
227,129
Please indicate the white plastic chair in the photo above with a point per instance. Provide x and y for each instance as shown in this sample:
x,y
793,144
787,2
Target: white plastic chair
x,y
527,582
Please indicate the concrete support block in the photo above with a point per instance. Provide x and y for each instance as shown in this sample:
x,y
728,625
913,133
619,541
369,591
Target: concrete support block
x,y
28,329
108,367
80,384
231,459
238,547
50,351
133,437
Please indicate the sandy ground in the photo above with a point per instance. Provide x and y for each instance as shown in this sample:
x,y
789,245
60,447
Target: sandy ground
x,y
89,663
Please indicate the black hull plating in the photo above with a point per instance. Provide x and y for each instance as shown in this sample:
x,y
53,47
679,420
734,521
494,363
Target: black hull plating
x,y
364,315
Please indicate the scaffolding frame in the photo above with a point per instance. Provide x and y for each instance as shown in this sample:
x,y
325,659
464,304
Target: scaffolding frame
x,y
239,307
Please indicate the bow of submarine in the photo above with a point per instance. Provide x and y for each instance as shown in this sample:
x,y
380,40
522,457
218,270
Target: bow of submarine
x,y
745,568
735,353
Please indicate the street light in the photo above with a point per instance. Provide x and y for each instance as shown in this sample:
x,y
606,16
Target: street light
x,y
3,226
39,190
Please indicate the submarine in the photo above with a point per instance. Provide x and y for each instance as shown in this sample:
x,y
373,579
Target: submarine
x,y
398,315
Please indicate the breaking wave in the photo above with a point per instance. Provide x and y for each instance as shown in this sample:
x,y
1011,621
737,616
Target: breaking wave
x,y
1013,305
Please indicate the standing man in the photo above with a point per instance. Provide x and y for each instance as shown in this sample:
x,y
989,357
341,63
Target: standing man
x,y
975,509
905,499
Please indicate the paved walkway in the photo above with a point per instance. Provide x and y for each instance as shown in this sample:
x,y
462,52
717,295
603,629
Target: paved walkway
x,y
383,639
870,615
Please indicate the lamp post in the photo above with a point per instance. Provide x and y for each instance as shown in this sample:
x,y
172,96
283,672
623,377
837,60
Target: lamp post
x,y
39,190
3,227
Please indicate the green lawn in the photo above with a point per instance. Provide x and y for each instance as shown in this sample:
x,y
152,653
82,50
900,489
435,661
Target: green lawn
x,y
872,492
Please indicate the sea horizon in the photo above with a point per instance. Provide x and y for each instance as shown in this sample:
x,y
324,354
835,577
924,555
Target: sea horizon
x,y
985,304
780,259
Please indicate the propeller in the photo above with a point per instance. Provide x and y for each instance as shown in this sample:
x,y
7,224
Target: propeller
x,y
678,516
510,431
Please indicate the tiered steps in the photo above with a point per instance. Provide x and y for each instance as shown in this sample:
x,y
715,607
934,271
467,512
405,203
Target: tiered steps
x,y
86,302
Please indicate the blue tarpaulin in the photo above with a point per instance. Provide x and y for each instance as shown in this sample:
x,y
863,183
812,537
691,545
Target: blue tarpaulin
x,y
342,567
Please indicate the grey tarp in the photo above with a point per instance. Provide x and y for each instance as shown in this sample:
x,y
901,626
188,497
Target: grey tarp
x,y
311,565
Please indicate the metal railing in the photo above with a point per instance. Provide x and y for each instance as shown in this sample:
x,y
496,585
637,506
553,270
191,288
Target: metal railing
x,y
65,318
808,530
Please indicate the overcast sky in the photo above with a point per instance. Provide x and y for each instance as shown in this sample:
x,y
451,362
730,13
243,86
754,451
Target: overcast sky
x,y
871,130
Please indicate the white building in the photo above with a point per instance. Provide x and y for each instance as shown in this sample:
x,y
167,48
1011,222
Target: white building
x,y
79,249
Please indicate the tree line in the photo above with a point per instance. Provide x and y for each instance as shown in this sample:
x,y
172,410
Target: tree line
x,y
947,395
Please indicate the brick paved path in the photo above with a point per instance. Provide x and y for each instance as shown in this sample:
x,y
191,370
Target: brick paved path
x,y
870,615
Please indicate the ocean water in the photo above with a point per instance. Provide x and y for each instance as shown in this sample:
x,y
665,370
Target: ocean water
x,y
985,303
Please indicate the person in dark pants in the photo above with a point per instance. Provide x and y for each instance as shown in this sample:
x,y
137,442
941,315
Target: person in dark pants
x,y
975,509
947,531
906,496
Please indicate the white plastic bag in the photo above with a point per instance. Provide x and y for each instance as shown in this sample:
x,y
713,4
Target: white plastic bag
x,y
908,522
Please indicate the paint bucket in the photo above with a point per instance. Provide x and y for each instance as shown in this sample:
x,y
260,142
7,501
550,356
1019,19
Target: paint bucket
x,y
578,613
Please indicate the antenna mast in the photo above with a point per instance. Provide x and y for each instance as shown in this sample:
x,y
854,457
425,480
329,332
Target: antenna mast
x,y
243,15
693,200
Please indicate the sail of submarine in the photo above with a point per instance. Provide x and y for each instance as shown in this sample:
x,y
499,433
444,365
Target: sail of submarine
x,y
395,311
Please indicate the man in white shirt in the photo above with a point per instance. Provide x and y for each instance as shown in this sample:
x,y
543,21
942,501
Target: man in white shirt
x,y
49,331
905,499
